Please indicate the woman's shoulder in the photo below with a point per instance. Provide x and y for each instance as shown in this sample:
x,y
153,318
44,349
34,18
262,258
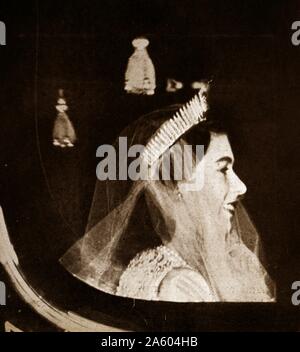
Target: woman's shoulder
x,y
145,272
185,285
161,274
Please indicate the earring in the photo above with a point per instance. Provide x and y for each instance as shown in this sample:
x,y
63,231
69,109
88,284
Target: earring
x,y
178,194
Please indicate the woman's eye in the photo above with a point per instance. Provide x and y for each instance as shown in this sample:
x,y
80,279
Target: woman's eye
x,y
224,170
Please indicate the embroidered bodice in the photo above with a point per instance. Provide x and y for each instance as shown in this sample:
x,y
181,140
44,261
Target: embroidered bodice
x,y
161,274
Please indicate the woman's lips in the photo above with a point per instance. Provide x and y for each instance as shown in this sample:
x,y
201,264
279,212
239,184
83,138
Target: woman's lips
x,y
230,207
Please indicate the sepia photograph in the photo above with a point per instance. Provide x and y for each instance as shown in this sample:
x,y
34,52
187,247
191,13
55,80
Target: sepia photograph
x,y
149,168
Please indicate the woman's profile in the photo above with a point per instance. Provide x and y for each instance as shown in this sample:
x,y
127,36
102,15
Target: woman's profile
x,y
180,239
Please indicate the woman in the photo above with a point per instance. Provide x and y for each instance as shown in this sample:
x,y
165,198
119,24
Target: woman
x,y
165,239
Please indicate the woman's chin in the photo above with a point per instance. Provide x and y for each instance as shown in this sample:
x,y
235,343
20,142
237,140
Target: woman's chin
x,y
229,215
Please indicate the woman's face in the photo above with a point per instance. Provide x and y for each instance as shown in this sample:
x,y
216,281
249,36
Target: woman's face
x,y
221,188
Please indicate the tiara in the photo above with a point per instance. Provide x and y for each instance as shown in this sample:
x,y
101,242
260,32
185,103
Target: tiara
x,y
190,114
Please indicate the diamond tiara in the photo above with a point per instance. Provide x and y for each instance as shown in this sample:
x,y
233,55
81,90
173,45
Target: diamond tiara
x,y
171,130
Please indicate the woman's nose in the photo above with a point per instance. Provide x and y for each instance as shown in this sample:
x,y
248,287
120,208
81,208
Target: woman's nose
x,y
238,188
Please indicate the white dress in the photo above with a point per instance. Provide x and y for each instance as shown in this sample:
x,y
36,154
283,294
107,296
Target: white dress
x,y
161,274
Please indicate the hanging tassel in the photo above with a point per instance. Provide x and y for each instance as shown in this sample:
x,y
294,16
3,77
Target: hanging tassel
x,y
63,131
140,73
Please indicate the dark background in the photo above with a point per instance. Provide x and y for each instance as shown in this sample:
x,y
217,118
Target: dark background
x,y
83,47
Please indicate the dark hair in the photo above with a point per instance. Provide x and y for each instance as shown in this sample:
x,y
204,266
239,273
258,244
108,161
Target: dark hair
x,y
218,120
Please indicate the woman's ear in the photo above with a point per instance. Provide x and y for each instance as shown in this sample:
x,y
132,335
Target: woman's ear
x,y
194,179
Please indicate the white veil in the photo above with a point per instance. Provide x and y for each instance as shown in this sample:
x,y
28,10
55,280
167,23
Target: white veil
x,y
127,217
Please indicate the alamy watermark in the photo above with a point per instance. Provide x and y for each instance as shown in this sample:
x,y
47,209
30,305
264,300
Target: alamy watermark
x,y
295,38
178,163
2,33
2,294
296,295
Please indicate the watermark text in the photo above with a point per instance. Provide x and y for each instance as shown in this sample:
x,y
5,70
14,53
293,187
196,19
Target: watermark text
x,y
2,294
295,38
2,33
178,163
